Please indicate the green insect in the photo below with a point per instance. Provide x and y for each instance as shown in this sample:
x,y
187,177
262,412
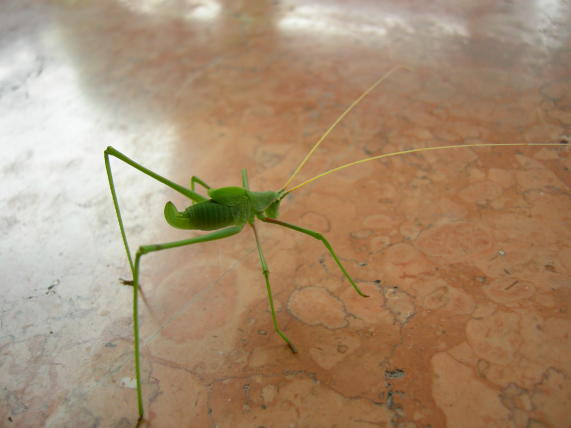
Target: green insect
x,y
227,210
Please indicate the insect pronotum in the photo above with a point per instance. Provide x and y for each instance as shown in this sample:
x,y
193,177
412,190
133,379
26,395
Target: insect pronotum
x,y
225,212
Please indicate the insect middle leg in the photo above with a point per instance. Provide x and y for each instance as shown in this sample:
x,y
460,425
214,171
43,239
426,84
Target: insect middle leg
x,y
266,273
195,180
322,238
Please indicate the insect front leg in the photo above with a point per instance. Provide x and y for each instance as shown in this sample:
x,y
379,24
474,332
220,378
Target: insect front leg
x,y
266,273
322,238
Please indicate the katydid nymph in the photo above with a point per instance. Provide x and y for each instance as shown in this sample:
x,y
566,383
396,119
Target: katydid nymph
x,y
226,211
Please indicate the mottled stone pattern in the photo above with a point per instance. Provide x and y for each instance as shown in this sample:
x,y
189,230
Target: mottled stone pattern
x,y
465,253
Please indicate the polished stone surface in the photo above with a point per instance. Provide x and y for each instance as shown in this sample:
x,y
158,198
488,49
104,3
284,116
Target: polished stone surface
x,y
466,253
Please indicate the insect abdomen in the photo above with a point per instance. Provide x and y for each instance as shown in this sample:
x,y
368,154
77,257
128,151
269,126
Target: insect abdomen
x,y
209,215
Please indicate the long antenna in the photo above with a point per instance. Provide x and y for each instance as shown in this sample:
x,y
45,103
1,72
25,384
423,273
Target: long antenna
x,y
339,119
418,150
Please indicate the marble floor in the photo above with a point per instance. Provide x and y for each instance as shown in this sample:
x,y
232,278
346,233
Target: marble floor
x,y
465,253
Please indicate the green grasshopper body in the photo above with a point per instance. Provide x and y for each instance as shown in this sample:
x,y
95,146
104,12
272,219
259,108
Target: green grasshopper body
x,y
227,206
224,213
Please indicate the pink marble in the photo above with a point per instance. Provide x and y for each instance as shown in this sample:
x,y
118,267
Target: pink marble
x,y
465,253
